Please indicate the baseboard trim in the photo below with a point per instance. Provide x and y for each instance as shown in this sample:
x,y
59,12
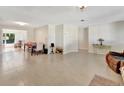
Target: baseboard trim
x,y
69,51
83,49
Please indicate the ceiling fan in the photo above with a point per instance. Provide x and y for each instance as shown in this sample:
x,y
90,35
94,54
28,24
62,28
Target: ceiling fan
x,y
82,7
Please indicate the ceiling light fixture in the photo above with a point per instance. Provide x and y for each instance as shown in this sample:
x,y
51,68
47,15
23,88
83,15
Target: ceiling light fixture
x,y
82,20
21,23
82,7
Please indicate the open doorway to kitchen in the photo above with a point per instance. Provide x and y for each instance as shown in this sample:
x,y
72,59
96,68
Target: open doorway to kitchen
x,y
10,37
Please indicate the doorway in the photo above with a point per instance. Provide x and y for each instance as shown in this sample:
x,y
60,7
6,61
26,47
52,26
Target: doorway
x,y
83,39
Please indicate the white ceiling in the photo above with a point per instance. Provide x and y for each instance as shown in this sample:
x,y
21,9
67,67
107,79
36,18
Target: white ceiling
x,y
42,15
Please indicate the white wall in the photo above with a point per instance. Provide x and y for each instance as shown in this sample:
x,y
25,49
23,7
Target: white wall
x,y
45,34
100,31
67,37
0,36
70,38
30,35
83,38
41,34
0,40
19,34
30,30
51,36
112,34
118,28
59,36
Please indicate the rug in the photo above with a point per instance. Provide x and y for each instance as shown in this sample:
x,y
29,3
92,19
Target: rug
x,y
101,81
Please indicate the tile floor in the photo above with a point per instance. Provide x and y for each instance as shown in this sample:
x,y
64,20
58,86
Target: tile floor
x,y
19,68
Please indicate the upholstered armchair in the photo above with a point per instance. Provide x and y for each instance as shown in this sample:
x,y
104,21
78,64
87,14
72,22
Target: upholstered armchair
x,y
115,61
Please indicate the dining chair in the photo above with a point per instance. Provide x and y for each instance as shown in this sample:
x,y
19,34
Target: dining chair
x,y
39,48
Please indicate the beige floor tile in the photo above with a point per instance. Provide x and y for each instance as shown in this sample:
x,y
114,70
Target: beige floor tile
x,y
79,68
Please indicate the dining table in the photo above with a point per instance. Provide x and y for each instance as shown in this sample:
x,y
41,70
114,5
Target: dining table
x,y
29,45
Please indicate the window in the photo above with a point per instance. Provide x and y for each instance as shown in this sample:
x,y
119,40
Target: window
x,y
9,38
